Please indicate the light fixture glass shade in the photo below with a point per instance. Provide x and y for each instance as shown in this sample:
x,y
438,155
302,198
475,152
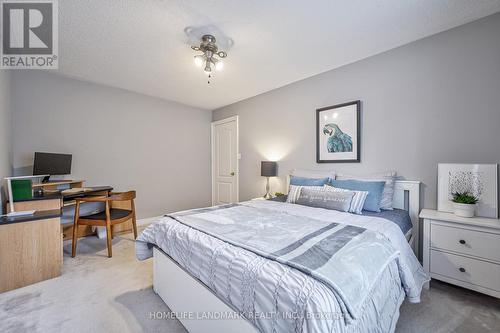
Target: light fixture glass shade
x,y
208,69
219,66
198,60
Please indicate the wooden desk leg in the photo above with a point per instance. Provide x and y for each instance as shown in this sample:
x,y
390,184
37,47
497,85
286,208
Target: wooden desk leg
x,y
75,230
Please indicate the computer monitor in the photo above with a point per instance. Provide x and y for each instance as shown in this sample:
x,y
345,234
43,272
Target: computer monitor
x,y
51,164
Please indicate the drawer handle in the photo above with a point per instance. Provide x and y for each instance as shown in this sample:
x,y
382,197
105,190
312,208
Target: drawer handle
x,y
461,269
461,241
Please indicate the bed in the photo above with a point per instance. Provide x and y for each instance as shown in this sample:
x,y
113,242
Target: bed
x,y
217,283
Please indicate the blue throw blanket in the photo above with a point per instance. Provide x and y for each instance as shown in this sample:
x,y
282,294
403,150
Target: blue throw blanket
x,y
348,259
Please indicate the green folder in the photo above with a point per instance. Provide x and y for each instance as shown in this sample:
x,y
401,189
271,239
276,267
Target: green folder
x,y
21,189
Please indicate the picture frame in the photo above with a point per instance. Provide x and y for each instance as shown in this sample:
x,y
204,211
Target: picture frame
x,y
478,179
338,138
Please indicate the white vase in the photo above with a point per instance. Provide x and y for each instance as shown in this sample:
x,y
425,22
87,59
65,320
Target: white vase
x,y
464,210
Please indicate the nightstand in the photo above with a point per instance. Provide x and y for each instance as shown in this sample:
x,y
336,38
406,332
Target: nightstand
x,y
462,251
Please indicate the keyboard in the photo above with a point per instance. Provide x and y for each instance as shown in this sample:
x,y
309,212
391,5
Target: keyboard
x,y
76,190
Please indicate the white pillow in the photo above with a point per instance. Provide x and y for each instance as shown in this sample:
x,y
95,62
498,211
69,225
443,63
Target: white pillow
x,y
358,200
388,177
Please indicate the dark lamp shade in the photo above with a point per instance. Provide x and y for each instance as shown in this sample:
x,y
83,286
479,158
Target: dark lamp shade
x,y
268,169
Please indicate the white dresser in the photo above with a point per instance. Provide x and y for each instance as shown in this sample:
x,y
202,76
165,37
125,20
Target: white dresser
x,y
462,251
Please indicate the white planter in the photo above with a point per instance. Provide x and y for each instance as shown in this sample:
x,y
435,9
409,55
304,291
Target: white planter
x,y
464,210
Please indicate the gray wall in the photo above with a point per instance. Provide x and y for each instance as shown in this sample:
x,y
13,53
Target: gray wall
x,y
127,140
5,138
434,100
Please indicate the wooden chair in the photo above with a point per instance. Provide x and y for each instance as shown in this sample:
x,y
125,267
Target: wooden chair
x,y
108,218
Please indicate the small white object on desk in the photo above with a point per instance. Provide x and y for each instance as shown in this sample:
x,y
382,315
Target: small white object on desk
x,y
462,251
21,213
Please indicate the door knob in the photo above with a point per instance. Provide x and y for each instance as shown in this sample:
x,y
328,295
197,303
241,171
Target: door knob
x,y
232,173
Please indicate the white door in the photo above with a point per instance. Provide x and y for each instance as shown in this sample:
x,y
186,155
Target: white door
x,y
225,161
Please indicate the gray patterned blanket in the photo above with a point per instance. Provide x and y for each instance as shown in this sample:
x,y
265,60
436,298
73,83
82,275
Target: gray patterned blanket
x,y
348,259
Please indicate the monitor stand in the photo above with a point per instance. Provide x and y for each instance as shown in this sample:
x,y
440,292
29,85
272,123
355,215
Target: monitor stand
x,y
45,179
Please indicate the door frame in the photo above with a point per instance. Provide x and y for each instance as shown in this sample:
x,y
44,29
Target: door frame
x,y
212,150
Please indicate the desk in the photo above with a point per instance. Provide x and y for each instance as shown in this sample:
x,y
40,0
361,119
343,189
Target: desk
x,y
58,200
30,249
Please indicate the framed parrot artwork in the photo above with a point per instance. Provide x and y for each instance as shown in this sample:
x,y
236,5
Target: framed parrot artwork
x,y
338,133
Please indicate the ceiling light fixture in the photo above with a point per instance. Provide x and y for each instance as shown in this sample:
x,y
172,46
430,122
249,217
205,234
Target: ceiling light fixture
x,y
209,56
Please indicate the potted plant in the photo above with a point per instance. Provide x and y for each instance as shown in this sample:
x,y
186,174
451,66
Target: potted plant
x,y
464,204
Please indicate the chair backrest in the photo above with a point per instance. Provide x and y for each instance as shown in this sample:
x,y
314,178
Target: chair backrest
x,y
123,196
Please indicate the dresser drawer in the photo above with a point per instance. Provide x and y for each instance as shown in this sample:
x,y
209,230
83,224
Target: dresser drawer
x,y
477,272
476,243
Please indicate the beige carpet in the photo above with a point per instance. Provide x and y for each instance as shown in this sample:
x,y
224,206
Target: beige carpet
x,y
97,294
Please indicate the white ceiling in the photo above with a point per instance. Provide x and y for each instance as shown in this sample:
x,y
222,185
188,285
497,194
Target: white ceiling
x,y
142,46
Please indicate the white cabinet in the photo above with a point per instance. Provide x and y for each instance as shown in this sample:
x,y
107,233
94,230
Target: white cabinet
x,y
462,251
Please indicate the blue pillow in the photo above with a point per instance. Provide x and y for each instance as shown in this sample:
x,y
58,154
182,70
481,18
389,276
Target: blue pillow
x,y
304,181
374,189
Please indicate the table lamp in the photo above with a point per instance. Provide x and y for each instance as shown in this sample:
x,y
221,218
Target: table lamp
x,y
268,169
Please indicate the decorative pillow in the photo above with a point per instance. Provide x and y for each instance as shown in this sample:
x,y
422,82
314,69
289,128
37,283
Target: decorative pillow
x,y
303,181
293,193
374,189
358,199
390,181
320,198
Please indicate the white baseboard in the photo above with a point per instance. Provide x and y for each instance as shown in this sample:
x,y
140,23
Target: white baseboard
x,y
148,220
